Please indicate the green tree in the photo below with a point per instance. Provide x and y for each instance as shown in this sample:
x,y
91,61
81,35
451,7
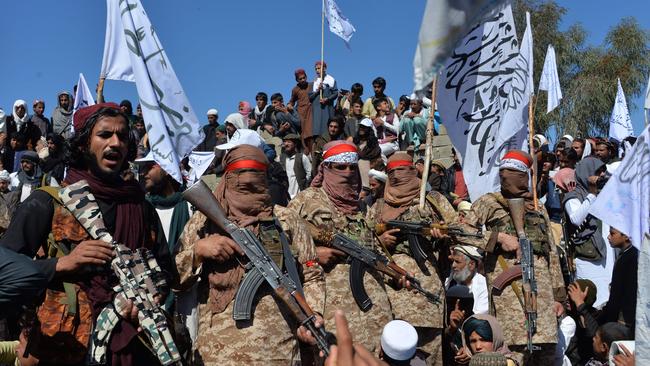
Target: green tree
x,y
587,73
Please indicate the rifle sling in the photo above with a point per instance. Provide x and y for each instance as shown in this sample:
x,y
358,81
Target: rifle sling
x,y
515,286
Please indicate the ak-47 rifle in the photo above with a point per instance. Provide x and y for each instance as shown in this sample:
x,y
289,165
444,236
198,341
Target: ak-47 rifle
x,y
261,267
517,213
417,231
140,279
361,258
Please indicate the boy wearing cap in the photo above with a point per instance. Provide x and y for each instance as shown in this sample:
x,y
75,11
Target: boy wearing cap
x,y
501,246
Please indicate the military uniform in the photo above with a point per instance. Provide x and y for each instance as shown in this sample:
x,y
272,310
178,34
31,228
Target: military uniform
x,y
492,211
268,338
406,305
315,208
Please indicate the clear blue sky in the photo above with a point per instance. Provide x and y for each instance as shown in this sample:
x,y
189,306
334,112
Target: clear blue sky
x,y
227,51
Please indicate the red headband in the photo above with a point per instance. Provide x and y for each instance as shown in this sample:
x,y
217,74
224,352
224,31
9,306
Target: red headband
x,y
339,149
516,155
397,163
246,164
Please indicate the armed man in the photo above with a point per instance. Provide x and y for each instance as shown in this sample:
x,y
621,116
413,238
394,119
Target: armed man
x,y
413,251
330,206
266,331
521,298
81,291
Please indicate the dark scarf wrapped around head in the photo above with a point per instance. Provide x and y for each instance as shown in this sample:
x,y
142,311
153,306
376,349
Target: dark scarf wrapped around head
x,y
402,187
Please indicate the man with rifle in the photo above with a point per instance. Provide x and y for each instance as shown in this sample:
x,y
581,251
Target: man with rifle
x,y
77,264
331,206
243,322
521,262
412,251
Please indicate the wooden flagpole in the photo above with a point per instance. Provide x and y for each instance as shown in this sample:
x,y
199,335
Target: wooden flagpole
x,y
322,45
100,90
531,132
427,149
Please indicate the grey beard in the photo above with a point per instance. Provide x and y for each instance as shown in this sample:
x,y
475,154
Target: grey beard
x,y
461,276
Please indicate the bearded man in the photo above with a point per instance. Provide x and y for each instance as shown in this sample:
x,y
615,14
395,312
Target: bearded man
x,y
329,206
501,247
206,252
99,153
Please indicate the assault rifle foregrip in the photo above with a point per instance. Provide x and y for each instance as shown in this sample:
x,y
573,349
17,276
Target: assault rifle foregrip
x,y
424,228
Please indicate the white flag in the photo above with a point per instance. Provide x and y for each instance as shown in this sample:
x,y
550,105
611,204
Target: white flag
x,y
482,96
199,162
550,81
338,23
82,98
620,124
444,24
642,326
624,202
171,123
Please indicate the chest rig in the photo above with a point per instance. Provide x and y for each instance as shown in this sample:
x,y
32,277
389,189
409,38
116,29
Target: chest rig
x,y
535,226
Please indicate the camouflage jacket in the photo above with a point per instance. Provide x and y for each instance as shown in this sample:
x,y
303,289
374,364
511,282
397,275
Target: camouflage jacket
x,y
268,338
490,211
407,305
323,219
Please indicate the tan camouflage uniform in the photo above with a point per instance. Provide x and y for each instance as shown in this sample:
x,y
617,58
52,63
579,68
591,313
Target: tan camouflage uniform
x,y
267,339
411,307
314,207
491,210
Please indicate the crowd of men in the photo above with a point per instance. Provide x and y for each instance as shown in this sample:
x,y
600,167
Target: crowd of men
x,y
295,174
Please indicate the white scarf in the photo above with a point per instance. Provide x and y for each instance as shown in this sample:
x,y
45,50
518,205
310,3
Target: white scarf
x,y
329,80
20,121
259,113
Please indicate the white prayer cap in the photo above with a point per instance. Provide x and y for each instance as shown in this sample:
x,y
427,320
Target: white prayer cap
x,y
568,137
399,340
464,206
366,122
469,251
146,159
213,112
378,175
4,176
541,139
243,137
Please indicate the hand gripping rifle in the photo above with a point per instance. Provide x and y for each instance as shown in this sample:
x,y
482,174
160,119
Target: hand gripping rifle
x,y
361,258
140,279
517,213
416,233
261,267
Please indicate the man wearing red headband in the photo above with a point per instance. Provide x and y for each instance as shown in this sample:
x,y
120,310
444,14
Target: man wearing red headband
x,y
329,206
502,249
99,153
205,253
400,202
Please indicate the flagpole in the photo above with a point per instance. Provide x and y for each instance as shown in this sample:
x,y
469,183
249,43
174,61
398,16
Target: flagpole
x,y
100,90
531,132
427,149
322,45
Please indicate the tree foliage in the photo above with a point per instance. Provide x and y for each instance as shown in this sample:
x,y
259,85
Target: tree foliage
x,y
587,73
